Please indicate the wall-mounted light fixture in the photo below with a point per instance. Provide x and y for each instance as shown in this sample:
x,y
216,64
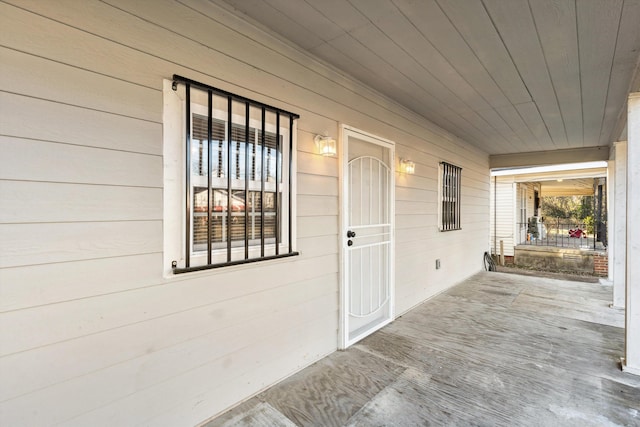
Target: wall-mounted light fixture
x,y
407,166
325,145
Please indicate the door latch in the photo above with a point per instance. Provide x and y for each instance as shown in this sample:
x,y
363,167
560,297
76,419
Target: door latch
x,y
351,234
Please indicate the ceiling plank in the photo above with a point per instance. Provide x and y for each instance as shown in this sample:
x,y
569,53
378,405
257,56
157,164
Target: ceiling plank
x,y
531,116
511,115
314,21
356,59
267,15
501,126
378,54
458,93
341,13
625,65
555,21
515,25
399,42
597,33
435,26
474,25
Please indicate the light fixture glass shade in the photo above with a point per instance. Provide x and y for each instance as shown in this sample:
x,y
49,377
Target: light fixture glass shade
x,y
407,166
325,145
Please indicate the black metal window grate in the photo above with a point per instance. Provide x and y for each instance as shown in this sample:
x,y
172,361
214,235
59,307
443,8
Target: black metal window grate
x,y
450,192
238,202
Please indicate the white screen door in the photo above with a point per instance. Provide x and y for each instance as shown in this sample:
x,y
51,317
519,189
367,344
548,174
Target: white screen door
x,y
367,235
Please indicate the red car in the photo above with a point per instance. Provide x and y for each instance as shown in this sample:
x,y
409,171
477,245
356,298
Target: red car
x,y
577,233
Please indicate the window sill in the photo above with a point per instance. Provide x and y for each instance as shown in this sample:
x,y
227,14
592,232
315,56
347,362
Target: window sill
x,y
232,263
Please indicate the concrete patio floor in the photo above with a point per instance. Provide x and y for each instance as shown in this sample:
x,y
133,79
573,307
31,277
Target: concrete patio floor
x,y
496,350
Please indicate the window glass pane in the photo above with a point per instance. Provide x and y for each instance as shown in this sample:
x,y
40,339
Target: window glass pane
x,y
199,146
271,147
254,151
247,156
237,218
238,147
254,215
269,215
200,218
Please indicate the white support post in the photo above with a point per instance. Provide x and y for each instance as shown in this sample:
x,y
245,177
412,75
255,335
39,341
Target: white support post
x,y
611,185
619,242
631,362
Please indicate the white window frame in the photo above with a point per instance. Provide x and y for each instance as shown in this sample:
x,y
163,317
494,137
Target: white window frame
x,y
452,197
174,163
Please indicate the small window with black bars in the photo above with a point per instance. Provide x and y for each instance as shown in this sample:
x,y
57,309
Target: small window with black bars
x,y
238,171
450,192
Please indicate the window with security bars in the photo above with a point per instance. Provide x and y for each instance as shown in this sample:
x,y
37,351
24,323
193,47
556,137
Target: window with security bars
x,y
450,190
238,193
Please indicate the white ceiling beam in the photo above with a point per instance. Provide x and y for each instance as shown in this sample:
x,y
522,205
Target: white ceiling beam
x,y
553,157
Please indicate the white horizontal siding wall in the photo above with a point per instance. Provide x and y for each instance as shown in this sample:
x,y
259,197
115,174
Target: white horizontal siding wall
x,y
502,214
531,187
90,331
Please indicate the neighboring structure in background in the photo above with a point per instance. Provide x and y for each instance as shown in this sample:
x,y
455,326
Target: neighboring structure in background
x,y
518,215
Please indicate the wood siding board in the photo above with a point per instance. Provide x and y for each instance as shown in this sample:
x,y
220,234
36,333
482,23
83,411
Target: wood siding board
x,y
504,219
597,45
314,164
311,226
52,121
163,390
66,44
32,160
31,244
129,346
316,185
46,325
45,202
30,75
22,287
317,205
318,246
281,355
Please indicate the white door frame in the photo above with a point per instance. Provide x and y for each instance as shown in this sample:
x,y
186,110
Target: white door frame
x,y
345,130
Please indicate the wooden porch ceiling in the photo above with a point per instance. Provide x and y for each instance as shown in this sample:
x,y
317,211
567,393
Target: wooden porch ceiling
x,y
511,76
569,187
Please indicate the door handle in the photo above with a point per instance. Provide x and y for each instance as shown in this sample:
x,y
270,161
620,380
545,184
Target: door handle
x,y
351,234
349,242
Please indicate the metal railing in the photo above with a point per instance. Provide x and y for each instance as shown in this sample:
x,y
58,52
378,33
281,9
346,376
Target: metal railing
x,y
562,234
